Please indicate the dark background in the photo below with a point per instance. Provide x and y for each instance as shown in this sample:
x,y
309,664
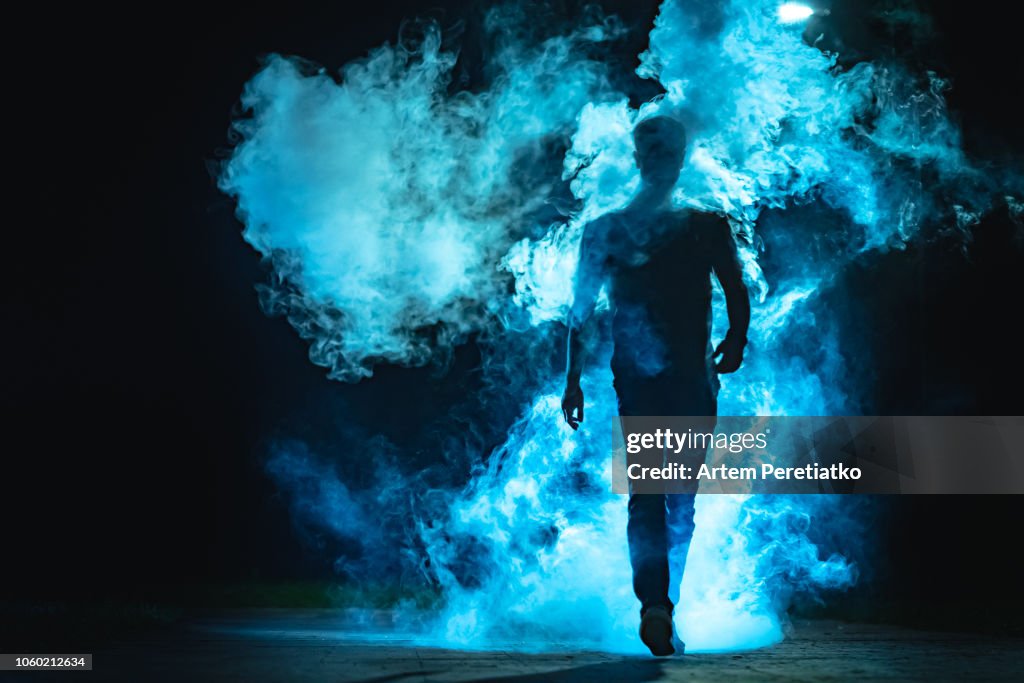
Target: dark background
x,y
141,381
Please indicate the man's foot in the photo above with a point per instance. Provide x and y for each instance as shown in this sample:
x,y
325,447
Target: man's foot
x,y
656,631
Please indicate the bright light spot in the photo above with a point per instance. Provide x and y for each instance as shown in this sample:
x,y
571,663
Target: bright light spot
x,y
792,12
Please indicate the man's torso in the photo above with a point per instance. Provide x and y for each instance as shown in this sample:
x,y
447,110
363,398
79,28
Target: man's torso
x,y
657,267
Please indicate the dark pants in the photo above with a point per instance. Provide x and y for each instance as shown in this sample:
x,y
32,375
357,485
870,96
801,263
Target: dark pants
x,y
661,525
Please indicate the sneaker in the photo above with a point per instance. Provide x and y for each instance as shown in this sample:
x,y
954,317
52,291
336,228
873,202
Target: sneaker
x,y
656,631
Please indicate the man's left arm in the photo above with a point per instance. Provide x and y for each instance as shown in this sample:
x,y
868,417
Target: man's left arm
x,y
726,264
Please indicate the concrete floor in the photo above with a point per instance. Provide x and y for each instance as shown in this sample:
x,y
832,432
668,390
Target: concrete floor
x,y
295,645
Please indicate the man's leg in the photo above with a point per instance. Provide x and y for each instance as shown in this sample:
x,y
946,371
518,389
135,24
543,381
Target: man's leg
x,y
681,499
648,553
651,515
680,527
647,534
659,531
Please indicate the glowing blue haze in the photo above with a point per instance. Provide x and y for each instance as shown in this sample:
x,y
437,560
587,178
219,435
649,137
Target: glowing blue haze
x,y
390,207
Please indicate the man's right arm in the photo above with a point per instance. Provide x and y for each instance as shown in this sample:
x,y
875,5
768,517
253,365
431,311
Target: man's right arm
x,y
581,324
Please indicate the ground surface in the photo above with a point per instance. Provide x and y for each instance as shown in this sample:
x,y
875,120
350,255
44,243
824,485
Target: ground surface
x,y
306,645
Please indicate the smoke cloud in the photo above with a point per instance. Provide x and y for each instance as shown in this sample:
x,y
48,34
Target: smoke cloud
x,y
401,216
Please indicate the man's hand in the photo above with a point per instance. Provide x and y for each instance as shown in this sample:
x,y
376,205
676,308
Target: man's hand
x,y
572,404
731,351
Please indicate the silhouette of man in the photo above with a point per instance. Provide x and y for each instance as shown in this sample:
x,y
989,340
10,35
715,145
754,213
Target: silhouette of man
x,y
654,264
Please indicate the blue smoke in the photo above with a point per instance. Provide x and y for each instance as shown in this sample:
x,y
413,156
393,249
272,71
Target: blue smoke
x,y
401,217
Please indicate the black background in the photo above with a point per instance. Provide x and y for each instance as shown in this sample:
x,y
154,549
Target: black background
x,y
141,381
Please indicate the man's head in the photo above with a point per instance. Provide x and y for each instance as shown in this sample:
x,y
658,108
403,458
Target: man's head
x,y
660,148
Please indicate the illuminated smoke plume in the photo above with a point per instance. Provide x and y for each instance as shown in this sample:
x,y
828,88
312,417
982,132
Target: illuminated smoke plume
x,y
401,216
384,203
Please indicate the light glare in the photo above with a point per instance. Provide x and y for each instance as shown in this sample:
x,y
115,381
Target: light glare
x,y
792,12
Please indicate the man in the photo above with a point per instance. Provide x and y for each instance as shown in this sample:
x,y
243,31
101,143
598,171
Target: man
x,y
654,263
